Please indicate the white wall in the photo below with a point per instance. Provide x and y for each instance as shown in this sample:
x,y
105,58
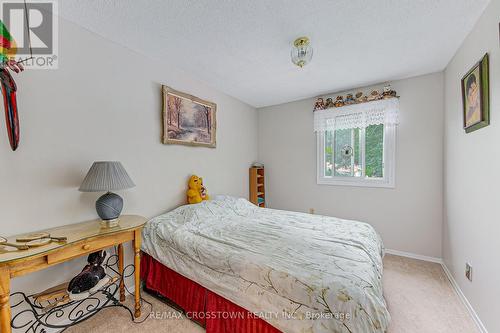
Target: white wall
x,y
409,217
471,227
104,103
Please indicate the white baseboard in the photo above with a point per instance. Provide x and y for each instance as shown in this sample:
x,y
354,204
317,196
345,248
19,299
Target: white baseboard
x,y
454,283
414,256
464,300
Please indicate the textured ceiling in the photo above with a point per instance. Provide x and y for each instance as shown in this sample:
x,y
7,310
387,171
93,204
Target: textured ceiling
x,y
243,47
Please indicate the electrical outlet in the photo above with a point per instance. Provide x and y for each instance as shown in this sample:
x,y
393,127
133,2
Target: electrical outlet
x,y
311,210
468,271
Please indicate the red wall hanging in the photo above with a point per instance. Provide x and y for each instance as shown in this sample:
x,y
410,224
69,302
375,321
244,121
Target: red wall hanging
x,y
8,85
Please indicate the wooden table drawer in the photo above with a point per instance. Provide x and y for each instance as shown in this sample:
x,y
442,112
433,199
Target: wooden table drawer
x,y
89,246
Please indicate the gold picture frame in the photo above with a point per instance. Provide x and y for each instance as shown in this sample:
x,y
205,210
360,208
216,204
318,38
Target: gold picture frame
x,y
188,120
475,96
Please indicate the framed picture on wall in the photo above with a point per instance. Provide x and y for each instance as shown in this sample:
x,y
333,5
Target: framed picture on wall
x,y
188,120
475,96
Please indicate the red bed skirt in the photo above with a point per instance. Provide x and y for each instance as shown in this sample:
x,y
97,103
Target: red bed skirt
x,y
215,313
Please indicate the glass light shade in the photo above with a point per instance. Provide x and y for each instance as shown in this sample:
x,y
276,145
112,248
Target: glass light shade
x,y
301,52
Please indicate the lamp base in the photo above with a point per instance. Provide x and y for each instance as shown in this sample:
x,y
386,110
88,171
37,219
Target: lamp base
x,y
109,206
110,223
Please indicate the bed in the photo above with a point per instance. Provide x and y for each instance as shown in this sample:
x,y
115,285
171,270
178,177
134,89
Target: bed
x,y
286,271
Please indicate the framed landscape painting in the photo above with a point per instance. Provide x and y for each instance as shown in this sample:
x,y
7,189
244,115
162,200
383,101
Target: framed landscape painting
x,y
188,120
475,96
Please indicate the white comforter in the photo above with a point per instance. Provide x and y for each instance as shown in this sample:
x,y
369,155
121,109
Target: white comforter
x,y
302,273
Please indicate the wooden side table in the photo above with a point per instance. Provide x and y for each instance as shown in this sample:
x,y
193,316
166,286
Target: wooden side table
x,y
83,238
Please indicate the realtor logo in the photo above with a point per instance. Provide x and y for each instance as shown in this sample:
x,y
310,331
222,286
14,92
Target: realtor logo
x,y
33,25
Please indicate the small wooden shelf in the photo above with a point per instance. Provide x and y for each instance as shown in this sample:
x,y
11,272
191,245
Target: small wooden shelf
x,y
257,187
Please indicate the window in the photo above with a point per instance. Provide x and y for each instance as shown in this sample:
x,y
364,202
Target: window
x,y
356,146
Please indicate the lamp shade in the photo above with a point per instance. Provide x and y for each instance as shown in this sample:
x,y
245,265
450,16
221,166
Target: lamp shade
x,y
106,176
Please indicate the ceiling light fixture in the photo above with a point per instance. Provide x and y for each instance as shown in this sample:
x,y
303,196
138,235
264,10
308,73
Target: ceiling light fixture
x,y
301,52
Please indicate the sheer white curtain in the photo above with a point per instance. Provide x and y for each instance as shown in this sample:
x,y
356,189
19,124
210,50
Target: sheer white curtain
x,y
361,115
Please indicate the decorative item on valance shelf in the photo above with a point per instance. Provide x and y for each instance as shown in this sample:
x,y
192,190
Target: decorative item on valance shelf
x,y
385,111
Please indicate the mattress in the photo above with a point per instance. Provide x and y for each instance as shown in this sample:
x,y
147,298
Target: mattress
x,y
301,273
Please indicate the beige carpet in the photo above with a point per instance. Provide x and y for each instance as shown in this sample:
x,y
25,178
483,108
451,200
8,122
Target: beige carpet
x,y
421,299
419,296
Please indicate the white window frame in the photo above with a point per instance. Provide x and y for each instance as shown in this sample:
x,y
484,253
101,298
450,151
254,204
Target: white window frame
x,y
389,179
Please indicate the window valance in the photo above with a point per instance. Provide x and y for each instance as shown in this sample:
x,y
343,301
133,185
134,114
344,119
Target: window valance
x,y
385,111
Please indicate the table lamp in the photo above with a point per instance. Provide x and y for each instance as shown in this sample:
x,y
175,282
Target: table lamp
x,y
107,176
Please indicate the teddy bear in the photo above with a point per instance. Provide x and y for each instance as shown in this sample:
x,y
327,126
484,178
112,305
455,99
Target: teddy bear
x,y
196,192
329,103
349,99
339,102
374,96
319,105
360,98
388,92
